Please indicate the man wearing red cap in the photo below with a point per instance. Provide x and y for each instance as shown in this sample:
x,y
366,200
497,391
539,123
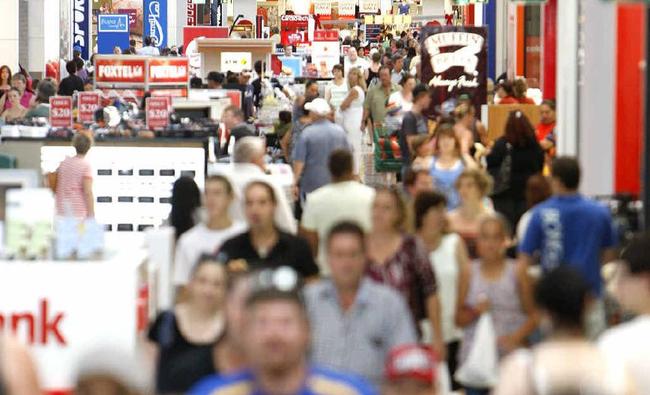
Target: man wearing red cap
x,y
410,370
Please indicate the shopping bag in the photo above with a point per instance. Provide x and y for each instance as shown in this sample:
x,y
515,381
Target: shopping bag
x,y
444,380
481,368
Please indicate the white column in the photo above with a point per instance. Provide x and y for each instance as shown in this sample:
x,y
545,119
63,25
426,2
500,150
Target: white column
x,y
174,36
9,34
567,78
478,15
502,38
433,7
596,92
43,34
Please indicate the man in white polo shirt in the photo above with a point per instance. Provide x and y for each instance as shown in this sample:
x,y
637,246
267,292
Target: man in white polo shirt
x,y
344,198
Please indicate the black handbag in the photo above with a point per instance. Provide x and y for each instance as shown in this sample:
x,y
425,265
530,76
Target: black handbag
x,y
502,177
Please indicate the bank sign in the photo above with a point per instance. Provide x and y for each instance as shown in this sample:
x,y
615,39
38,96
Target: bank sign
x,y
81,26
155,21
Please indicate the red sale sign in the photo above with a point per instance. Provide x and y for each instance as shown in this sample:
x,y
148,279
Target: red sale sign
x,y
61,112
294,29
157,109
115,71
88,103
173,71
326,35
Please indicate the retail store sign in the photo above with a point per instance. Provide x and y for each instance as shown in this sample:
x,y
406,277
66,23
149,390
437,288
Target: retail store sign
x,y
369,6
89,102
81,26
120,70
169,71
322,7
347,8
236,62
454,62
191,13
294,29
157,109
112,31
155,21
61,112
326,35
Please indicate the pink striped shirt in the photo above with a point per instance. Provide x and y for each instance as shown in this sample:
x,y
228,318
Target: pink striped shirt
x,y
70,198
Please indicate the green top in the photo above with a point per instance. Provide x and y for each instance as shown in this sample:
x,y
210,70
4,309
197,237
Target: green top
x,y
376,101
40,111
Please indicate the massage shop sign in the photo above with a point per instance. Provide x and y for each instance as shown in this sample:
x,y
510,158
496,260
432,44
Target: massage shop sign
x,y
454,62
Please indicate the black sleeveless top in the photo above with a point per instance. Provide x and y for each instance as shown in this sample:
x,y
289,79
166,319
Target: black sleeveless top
x,y
372,75
181,364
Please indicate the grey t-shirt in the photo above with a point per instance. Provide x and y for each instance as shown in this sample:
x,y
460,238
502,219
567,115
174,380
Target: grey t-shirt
x,y
313,148
413,124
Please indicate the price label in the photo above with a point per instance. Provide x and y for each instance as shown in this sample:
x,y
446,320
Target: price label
x,y
157,109
61,112
88,104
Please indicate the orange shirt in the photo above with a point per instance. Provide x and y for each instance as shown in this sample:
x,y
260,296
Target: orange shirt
x,y
543,131
509,100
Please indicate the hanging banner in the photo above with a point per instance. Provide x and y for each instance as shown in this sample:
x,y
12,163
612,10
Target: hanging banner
x,y
117,71
81,14
323,7
112,31
294,29
157,112
347,8
155,21
454,62
369,6
61,112
325,51
191,13
133,16
88,103
174,71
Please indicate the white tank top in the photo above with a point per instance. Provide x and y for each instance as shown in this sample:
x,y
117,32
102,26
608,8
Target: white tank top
x,y
338,93
445,266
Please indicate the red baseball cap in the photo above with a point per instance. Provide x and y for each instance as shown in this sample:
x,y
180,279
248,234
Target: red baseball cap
x,y
411,361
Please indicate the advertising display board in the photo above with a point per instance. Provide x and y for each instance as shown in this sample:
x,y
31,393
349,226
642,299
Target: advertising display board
x,y
236,62
120,70
81,23
174,71
294,29
61,111
112,31
88,103
325,51
155,21
190,36
454,62
157,112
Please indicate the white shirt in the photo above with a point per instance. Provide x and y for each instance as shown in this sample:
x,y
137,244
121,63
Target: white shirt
x,y
333,203
397,98
360,63
239,175
631,343
150,51
445,265
197,241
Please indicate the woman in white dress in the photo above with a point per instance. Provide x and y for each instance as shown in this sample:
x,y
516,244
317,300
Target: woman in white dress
x,y
336,91
352,113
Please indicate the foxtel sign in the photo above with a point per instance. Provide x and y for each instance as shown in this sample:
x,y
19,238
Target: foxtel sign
x,y
153,70
169,71
118,71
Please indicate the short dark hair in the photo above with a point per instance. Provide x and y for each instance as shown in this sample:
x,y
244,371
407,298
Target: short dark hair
x,y
82,143
132,42
340,163
44,90
221,179
550,103
258,67
147,41
424,202
406,79
215,76
566,169
562,292
376,57
266,186
196,83
262,296
309,83
285,116
71,67
420,89
411,175
80,63
384,67
235,111
347,228
338,67
205,259
636,255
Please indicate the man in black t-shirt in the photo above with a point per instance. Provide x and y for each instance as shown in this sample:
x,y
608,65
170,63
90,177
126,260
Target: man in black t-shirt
x,y
72,82
414,123
233,118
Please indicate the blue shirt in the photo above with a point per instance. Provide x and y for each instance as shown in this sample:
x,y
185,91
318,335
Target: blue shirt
x,y
319,382
571,230
313,148
445,182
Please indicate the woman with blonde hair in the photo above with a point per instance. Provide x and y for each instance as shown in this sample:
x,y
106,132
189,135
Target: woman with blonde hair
x,y
473,185
352,113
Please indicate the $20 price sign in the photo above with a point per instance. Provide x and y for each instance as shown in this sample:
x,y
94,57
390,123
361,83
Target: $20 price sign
x,y
61,112
157,109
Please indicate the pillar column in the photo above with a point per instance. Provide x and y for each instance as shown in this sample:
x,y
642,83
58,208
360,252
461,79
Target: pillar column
x,y
9,34
567,78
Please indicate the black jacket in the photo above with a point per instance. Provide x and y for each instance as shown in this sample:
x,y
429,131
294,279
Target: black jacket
x,y
527,160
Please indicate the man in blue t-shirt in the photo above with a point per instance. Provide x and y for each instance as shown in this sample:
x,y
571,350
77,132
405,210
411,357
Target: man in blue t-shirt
x,y
277,339
570,229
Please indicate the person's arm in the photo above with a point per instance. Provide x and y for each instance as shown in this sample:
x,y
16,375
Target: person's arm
x,y
328,94
517,339
496,154
546,144
409,130
610,240
284,144
308,225
433,312
428,286
311,237
17,368
399,321
482,133
352,95
88,196
3,99
466,314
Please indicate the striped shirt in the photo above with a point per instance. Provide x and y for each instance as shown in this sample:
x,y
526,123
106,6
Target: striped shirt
x,y
70,200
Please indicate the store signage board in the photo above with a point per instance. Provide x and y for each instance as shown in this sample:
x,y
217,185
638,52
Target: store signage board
x,y
112,31
173,71
454,62
294,29
89,102
322,7
81,24
116,70
155,21
157,109
326,35
61,112
347,8
236,62
190,13
369,6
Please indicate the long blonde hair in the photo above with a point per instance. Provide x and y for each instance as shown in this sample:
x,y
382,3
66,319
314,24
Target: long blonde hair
x,y
361,82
